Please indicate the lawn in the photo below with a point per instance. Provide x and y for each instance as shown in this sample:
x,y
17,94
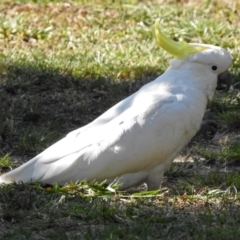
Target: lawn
x,y
62,64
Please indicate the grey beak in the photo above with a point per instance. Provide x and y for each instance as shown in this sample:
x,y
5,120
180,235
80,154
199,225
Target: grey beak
x,y
224,81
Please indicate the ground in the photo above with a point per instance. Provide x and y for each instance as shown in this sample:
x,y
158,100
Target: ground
x,y
64,63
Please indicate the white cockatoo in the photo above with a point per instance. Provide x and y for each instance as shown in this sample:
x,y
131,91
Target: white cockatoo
x,y
136,140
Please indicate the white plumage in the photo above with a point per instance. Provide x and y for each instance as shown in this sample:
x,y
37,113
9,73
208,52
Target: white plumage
x,y
138,138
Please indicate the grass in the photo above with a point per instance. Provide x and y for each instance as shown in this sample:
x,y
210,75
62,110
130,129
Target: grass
x,y
63,63
5,161
228,153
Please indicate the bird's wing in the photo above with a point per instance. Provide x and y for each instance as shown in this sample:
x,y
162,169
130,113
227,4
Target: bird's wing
x,y
117,109
129,111
143,132
106,117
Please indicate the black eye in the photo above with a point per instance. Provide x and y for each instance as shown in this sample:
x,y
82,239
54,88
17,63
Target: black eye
x,y
214,68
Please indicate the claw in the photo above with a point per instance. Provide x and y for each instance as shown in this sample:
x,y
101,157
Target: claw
x,y
208,129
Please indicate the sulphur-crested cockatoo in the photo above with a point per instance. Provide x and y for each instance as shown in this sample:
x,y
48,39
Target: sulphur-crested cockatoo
x,y
136,140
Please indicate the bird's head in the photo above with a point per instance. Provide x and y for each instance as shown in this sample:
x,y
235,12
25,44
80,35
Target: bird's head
x,y
217,59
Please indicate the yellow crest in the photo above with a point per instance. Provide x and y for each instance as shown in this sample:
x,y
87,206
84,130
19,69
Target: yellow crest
x,y
177,49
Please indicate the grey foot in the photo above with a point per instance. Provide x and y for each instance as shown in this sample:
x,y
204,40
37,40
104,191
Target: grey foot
x,y
208,129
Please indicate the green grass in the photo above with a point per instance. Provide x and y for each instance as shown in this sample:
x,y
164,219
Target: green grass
x,y
63,63
228,152
5,161
232,118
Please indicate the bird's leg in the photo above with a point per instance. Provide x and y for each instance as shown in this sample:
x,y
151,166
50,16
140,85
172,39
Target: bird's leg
x,y
130,180
154,180
155,176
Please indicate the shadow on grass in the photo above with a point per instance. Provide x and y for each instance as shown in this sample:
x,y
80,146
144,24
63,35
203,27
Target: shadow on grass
x,y
30,211
40,105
